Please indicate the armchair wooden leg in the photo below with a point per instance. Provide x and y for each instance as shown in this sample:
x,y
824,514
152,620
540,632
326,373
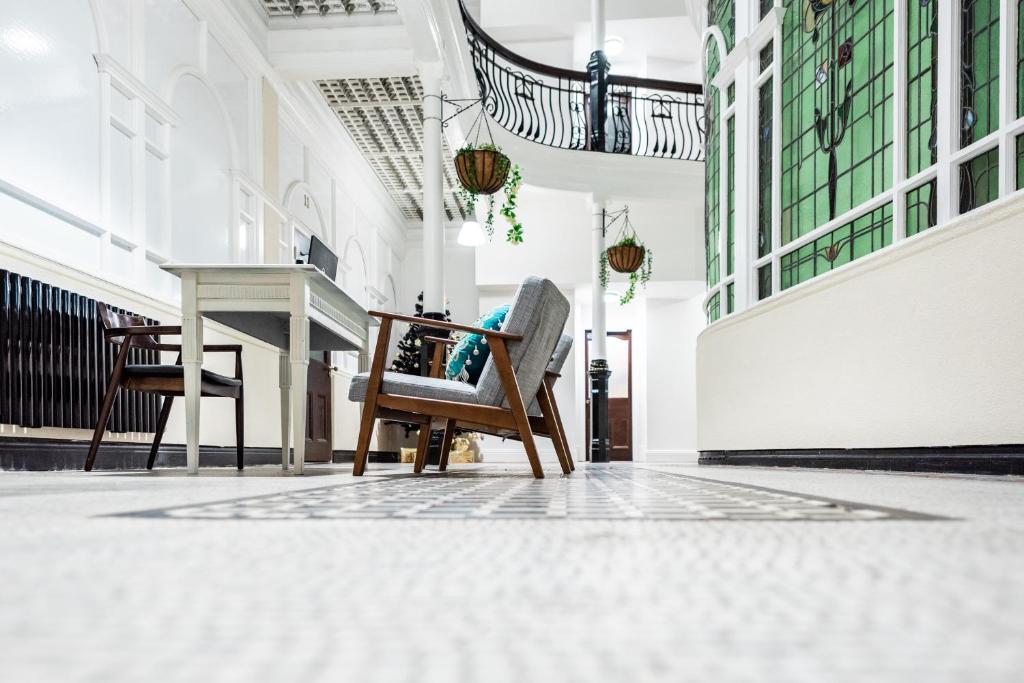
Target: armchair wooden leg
x,y
446,444
373,386
240,430
161,424
515,400
544,399
549,386
422,446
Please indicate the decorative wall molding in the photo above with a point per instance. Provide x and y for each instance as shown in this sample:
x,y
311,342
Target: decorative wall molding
x,y
125,81
47,207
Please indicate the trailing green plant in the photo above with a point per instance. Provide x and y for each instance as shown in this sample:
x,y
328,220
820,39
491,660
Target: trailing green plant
x,y
639,277
627,238
510,190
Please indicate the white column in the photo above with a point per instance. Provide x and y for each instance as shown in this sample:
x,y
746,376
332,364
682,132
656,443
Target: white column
x,y
599,327
597,20
433,190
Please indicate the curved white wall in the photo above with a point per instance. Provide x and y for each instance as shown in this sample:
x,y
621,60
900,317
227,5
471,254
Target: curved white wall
x,y
918,345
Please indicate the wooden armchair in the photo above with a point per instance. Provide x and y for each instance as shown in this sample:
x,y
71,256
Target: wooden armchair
x,y
519,356
541,406
166,380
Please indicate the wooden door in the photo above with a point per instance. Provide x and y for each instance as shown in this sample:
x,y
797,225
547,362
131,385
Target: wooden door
x,y
318,409
620,394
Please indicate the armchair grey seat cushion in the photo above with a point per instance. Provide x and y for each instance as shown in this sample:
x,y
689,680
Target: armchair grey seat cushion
x,y
415,386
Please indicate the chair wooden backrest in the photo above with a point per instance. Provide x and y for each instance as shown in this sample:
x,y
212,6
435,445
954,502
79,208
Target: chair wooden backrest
x,y
111,319
538,313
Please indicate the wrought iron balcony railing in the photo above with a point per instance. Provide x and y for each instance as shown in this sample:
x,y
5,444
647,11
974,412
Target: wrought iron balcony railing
x,y
586,110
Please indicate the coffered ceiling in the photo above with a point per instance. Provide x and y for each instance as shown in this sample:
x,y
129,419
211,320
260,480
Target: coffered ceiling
x,y
385,118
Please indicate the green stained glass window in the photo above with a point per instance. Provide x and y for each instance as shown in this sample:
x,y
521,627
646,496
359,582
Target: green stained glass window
x,y
921,209
766,6
711,169
837,110
730,196
730,93
730,297
979,69
715,307
1020,58
764,169
765,58
922,94
979,180
847,243
764,282
722,13
1020,162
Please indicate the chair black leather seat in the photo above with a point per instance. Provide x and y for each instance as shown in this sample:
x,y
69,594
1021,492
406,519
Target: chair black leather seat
x,y
178,372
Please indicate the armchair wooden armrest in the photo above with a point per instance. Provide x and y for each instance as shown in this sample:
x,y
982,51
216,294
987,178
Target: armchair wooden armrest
x,y
441,340
445,325
437,363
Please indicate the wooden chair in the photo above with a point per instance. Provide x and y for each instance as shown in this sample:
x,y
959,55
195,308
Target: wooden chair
x,y
166,380
516,367
537,422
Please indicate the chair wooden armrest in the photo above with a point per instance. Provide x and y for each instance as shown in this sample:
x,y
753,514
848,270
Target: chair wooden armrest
x,y
138,330
445,325
441,340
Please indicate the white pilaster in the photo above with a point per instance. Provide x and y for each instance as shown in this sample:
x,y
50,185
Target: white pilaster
x,y
433,192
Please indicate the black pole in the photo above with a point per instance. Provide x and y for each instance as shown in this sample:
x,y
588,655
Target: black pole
x,y
600,443
597,70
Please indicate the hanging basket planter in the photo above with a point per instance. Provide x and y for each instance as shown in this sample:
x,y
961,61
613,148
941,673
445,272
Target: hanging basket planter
x,y
626,258
627,255
482,171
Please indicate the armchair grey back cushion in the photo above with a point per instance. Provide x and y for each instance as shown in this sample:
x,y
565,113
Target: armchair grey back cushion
x,y
554,365
538,312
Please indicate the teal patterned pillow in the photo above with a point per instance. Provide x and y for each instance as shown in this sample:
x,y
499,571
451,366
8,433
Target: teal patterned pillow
x,y
467,358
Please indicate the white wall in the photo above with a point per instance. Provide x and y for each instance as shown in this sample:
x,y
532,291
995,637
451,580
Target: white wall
x,y
134,135
460,287
671,415
916,345
558,227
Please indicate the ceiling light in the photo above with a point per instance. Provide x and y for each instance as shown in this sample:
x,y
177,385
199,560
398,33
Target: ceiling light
x,y
613,45
323,7
349,6
471,234
375,5
297,8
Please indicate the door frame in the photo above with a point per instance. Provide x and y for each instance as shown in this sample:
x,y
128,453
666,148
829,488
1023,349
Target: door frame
x,y
628,336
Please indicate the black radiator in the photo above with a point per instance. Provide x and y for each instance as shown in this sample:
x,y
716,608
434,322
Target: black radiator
x,y
54,362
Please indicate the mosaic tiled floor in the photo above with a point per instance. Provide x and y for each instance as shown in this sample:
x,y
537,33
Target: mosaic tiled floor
x,y
611,493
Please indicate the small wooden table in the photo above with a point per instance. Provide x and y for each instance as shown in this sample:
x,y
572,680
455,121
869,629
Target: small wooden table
x,y
293,307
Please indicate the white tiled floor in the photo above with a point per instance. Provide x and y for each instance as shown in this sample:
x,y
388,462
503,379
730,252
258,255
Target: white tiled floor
x,y
88,594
